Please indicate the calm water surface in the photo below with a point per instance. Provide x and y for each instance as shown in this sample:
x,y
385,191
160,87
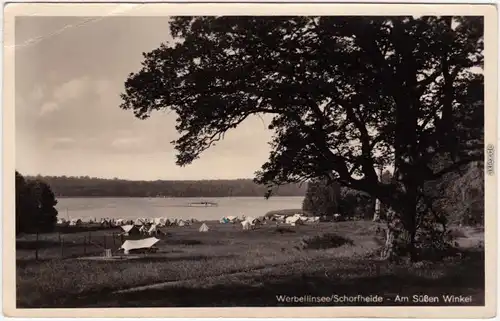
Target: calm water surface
x,y
130,208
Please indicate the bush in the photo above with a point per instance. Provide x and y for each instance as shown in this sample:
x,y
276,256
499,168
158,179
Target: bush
x,y
324,241
283,230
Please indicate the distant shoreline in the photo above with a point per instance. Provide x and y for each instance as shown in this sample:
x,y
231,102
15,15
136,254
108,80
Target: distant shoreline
x,y
95,187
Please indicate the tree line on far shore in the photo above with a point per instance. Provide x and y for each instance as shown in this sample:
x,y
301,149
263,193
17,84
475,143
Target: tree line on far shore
x,y
85,186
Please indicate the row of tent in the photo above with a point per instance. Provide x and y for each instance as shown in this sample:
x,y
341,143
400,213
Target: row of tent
x,y
151,230
248,222
148,223
161,221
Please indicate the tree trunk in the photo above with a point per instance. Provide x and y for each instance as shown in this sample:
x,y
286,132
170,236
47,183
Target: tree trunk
x,y
388,251
409,224
376,214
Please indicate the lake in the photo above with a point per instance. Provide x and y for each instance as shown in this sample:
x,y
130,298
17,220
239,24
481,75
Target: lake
x,y
131,208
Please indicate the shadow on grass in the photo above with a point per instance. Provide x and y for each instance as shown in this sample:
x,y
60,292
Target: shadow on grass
x,y
181,242
43,244
466,279
139,259
160,259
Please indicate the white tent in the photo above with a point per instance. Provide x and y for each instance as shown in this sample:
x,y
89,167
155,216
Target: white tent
x,y
143,229
160,221
153,229
293,220
204,228
127,228
250,220
139,221
232,219
119,222
138,244
130,229
280,218
61,221
181,223
75,222
246,225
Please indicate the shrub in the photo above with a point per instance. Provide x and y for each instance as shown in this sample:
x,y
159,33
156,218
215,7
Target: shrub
x,y
324,241
284,230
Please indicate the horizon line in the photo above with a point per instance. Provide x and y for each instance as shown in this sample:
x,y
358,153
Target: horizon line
x,y
140,180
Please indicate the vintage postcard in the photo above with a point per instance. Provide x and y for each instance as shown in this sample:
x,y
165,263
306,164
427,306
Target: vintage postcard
x,y
250,160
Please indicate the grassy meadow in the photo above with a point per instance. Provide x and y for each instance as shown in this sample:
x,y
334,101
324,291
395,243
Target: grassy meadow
x,y
228,266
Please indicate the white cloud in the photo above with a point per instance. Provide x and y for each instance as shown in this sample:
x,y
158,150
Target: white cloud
x,y
37,94
126,142
72,89
62,142
48,107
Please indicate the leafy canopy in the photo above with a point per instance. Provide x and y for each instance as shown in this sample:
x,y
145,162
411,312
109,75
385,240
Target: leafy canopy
x,y
35,206
345,93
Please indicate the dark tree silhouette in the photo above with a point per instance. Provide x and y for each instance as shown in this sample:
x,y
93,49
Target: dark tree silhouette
x,y
35,206
46,217
322,198
25,205
345,94
355,204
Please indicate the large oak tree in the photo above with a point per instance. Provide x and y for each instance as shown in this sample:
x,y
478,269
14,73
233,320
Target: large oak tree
x,y
345,94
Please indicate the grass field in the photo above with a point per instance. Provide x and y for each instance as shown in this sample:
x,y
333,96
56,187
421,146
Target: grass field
x,y
231,267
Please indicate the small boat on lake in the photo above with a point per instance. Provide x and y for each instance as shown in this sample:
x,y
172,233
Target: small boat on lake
x,y
203,204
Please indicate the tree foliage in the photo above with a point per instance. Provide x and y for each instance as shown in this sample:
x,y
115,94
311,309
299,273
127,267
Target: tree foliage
x,y
355,204
322,198
85,186
345,94
35,206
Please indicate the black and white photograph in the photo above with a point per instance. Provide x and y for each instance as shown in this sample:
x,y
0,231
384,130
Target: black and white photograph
x,y
236,160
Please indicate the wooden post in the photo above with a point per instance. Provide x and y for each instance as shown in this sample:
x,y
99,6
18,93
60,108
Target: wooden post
x,y
114,241
104,244
84,245
121,238
36,247
62,247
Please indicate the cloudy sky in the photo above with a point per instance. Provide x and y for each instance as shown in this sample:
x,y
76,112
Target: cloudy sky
x,y
69,76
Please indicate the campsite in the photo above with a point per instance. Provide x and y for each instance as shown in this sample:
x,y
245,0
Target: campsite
x,y
230,266
233,160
